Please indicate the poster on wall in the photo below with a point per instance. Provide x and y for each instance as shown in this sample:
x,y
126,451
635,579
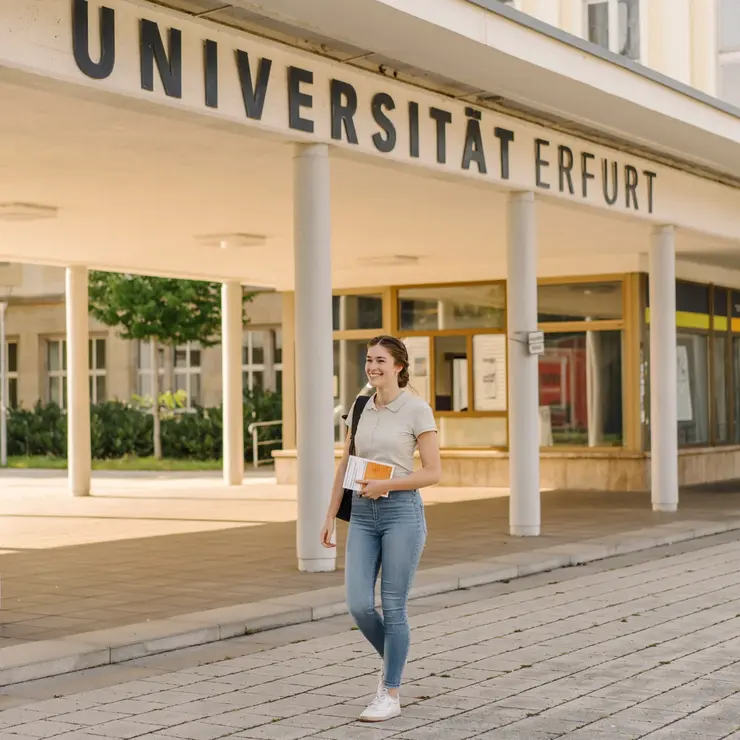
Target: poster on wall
x,y
489,372
683,383
418,349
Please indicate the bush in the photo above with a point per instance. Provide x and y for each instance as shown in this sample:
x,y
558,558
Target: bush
x,y
118,430
38,431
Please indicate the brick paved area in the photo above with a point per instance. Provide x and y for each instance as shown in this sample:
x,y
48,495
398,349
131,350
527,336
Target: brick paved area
x,y
152,547
642,646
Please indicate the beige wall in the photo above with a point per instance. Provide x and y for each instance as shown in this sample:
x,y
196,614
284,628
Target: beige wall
x,y
31,323
679,36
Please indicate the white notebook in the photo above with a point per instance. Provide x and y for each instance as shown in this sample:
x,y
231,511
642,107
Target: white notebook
x,y
360,468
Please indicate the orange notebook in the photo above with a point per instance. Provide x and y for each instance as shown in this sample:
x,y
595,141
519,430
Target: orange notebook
x,y
360,468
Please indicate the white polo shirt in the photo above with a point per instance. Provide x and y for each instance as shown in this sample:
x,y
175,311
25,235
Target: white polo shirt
x,y
389,434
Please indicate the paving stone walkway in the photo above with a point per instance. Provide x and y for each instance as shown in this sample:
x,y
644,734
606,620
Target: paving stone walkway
x,y
640,646
159,546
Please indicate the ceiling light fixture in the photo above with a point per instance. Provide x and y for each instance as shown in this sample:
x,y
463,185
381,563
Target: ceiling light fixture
x,y
392,260
231,241
26,212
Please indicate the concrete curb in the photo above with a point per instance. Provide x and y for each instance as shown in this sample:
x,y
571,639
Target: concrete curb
x,y
47,658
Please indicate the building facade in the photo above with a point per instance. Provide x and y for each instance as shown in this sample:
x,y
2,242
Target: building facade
x,y
593,377
120,369
544,204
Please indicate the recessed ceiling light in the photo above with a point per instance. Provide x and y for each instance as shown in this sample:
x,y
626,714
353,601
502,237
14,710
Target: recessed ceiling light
x,y
26,212
231,241
391,260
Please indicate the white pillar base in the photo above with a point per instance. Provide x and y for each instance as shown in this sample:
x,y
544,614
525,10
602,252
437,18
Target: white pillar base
x,y
665,507
522,530
312,565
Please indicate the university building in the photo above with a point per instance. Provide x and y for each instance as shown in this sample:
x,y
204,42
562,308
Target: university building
x,y
540,196
119,369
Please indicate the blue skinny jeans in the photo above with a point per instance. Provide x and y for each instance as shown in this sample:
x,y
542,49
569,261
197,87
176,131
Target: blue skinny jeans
x,y
386,536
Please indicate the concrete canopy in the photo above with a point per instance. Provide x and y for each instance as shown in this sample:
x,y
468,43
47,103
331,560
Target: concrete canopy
x,y
139,181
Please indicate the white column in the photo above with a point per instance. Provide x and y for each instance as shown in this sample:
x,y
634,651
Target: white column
x,y
233,399
663,385
270,375
346,391
314,352
78,382
524,421
3,389
595,405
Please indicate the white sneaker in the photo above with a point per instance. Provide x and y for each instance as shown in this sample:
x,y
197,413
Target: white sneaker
x,y
381,708
381,681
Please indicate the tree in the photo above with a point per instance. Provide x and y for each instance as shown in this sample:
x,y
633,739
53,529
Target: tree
x,y
162,311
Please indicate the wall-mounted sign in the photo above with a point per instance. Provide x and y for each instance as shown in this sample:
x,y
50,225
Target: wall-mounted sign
x,y
536,342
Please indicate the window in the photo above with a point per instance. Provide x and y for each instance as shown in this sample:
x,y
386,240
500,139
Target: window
x,y
349,379
187,372
56,371
452,307
615,25
693,388
580,386
720,397
735,353
729,25
729,51
11,360
579,302
351,312
262,360
736,384
729,77
144,370
97,370
451,373
706,376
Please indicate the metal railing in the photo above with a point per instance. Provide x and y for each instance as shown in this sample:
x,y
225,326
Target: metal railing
x,y
254,429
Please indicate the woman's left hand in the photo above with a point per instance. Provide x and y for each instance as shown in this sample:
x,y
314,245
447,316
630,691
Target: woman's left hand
x,y
373,488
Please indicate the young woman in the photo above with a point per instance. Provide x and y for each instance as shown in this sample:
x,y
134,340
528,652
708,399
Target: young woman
x,y
387,528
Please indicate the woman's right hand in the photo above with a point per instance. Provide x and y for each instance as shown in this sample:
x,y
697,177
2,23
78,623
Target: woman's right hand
x,y
327,533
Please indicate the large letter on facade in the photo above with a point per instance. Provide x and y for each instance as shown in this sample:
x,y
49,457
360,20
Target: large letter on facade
x,y
169,65
81,40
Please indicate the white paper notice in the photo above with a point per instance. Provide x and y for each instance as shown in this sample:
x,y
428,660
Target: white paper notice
x,y
685,411
489,372
360,468
418,349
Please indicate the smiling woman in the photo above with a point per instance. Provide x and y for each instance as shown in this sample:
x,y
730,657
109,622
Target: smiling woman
x,y
387,525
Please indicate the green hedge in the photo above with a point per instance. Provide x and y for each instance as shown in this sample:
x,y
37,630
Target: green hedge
x,y
119,429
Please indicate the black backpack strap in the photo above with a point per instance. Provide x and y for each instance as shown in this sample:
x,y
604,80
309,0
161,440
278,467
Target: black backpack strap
x,y
360,403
